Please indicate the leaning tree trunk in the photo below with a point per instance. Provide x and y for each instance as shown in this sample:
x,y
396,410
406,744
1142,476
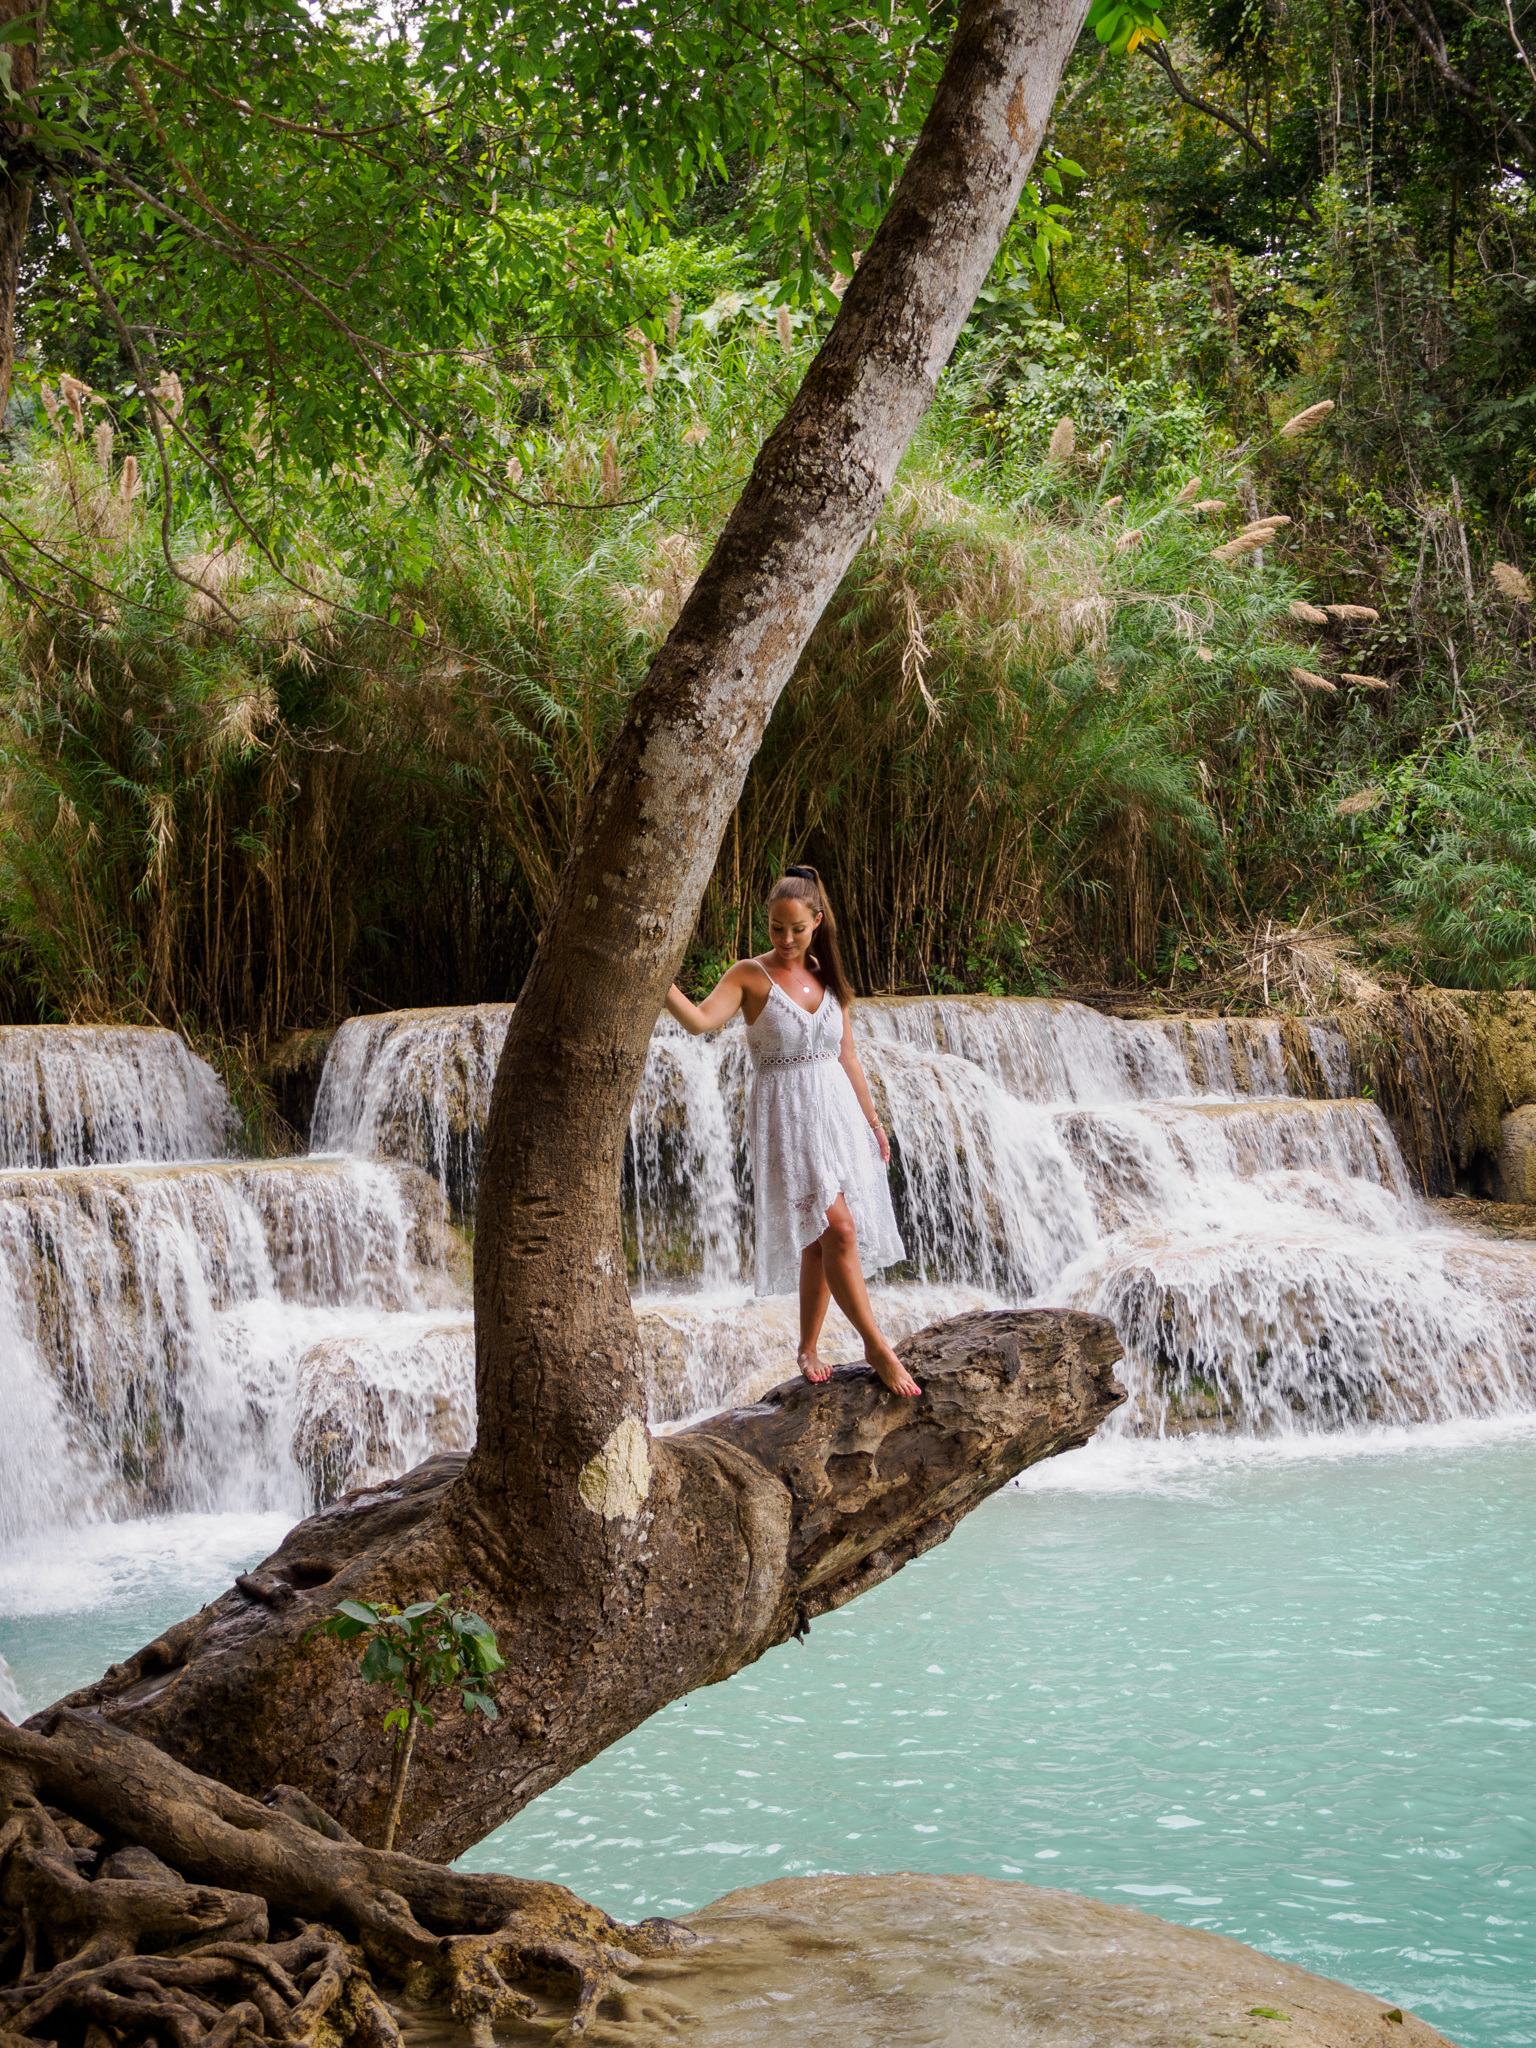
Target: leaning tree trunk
x,y
18,175
621,1571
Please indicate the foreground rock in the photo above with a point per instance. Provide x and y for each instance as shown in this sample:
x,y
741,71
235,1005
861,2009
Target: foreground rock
x,y
902,1962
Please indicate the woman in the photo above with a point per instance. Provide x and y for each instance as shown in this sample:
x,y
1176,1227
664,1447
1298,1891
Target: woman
x,y
823,1206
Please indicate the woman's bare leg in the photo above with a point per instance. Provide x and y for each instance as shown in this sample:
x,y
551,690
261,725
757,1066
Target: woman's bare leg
x,y
814,1296
845,1277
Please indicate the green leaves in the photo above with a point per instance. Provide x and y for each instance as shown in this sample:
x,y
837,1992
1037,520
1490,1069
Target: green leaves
x,y
341,238
1124,25
352,1618
419,1651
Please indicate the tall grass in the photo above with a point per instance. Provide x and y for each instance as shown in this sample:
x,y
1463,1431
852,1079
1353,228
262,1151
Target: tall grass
x,y
1041,736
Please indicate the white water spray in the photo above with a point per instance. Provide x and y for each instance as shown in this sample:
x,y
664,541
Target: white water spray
x,y
253,1336
78,1094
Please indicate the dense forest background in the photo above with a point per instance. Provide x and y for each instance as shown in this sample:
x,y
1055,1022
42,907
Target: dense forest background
x,y
1199,612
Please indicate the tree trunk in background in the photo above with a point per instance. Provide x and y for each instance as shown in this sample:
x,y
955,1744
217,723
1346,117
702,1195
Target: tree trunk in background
x,y
18,169
621,1571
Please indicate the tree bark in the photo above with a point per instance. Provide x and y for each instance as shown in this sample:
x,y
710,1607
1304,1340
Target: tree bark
x,y
618,1571
756,1523
281,1924
18,174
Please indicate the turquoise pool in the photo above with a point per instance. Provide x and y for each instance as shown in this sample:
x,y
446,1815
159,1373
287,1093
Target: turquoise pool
x,y
1286,1692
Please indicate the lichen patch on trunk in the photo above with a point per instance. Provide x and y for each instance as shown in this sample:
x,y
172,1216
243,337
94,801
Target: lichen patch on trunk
x,y
615,1483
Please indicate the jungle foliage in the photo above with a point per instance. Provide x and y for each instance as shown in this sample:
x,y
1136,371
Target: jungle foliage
x,y
327,588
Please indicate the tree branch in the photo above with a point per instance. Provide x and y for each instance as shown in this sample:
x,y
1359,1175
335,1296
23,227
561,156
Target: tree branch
x,y
1165,64
1439,56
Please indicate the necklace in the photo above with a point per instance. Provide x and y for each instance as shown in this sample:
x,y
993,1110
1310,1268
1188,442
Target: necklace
x,y
807,988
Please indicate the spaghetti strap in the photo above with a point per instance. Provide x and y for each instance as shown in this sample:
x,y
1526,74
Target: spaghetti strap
x,y
762,970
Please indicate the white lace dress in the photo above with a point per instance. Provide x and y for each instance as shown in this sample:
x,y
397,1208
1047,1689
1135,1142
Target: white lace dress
x,y
810,1144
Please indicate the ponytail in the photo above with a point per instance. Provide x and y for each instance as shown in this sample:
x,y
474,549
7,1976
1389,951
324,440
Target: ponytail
x,y
804,885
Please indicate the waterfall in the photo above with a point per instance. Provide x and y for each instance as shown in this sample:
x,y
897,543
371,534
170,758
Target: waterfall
x,y
1261,1252
414,1085
268,1334
156,1320
71,1094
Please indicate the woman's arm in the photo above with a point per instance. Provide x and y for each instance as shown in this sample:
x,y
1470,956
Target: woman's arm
x,y
850,1065
717,1008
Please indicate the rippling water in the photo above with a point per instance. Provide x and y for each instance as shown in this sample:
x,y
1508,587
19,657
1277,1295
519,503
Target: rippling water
x,y
1286,1692
1286,1695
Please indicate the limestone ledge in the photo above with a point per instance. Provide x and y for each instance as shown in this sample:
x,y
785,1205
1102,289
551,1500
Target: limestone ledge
x,y
910,1961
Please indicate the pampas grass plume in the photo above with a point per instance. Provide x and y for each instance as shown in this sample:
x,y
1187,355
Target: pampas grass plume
x,y
1510,582
71,390
1211,505
786,332
1308,614
1063,444
1304,422
1352,611
1311,681
1366,682
1363,800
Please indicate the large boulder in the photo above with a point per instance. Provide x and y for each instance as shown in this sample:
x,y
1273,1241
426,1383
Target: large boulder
x,y
895,1962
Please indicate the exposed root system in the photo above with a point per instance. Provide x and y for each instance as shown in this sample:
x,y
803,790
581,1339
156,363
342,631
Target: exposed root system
x,y
143,1906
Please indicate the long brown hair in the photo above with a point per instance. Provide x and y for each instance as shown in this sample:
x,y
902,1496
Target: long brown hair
x,y
803,885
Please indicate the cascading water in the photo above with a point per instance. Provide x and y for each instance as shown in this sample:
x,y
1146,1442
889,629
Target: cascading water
x,y
413,1085
1211,1184
75,1093
157,1321
269,1334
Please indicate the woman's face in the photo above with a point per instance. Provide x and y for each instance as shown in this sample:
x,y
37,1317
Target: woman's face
x,y
791,927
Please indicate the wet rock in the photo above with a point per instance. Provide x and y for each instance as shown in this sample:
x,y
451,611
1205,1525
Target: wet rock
x,y
1517,1156
894,1962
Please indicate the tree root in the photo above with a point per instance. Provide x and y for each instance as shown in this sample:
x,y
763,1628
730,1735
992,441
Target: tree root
x,y
142,1906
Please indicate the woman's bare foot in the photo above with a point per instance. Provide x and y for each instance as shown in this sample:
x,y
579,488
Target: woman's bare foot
x,y
893,1374
811,1365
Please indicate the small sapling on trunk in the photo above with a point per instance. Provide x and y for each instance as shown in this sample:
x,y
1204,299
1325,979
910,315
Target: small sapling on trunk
x,y
418,1652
